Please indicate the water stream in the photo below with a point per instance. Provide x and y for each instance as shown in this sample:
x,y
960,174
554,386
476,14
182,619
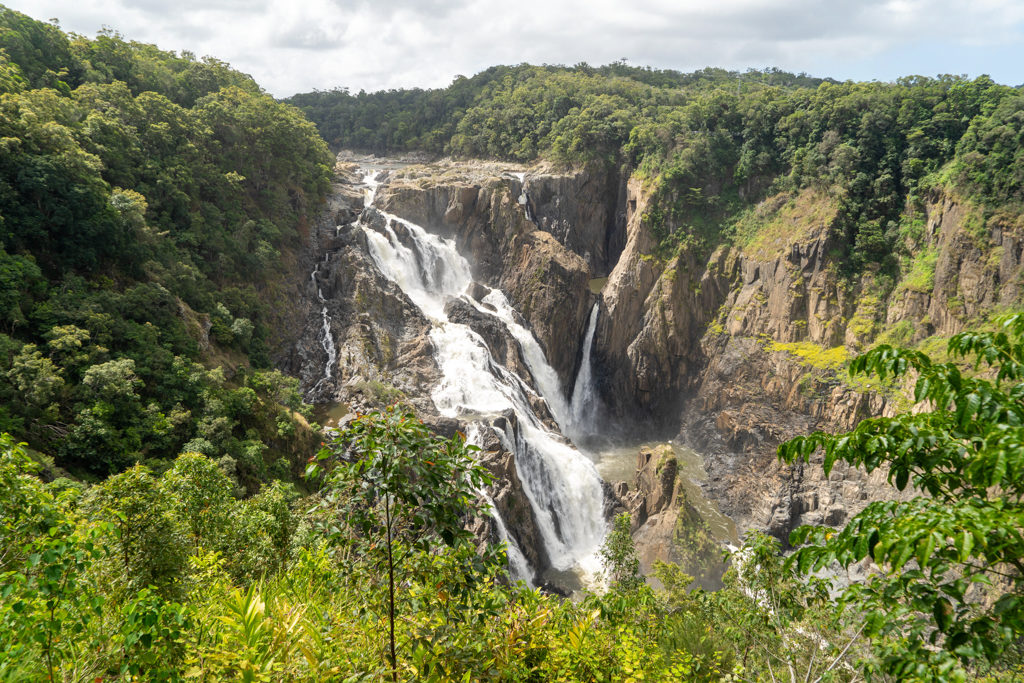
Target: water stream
x,y
583,408
562,485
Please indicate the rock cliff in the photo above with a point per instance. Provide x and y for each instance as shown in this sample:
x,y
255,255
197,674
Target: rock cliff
x,y
732,351
540,239
752,343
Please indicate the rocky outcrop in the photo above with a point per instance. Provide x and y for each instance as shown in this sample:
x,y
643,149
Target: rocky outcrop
x,y
719,349
719,343
653,314
666,526
584,209
756,390
478,205
976,271
749,401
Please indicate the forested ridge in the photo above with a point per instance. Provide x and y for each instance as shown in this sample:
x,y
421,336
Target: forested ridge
x,y
149,205
714,143
150,526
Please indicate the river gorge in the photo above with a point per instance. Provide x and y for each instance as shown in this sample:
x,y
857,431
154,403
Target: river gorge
x,y
524,307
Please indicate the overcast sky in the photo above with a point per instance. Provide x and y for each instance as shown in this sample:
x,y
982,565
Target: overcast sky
x,y
294,46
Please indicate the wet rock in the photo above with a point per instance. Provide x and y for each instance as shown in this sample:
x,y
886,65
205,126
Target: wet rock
x,y
503,347
477,205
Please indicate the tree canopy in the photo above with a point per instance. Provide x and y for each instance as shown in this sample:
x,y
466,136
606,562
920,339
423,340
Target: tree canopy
x,y
949,591
144,197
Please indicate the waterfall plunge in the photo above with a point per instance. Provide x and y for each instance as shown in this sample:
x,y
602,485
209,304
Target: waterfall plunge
x,y
562,485
583,407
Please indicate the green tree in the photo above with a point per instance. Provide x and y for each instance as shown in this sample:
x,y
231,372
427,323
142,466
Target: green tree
x,y
148,548
619,557
200,494
403,493
48,595
948,595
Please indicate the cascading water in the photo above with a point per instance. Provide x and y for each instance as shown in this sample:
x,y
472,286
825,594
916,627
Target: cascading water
x,y
326,338
583,406
524,198
562,485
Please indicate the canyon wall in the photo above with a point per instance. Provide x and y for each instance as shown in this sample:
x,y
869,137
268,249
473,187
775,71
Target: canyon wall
x,y
731,351
747,348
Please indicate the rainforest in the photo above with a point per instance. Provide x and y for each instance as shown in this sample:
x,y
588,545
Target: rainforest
x,y
588,373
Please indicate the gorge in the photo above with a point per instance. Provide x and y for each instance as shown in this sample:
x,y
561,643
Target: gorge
x,y
487,323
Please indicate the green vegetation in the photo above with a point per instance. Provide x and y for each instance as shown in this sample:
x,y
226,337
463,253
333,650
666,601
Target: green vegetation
x,y
169,577
374,576
948,595
148,205
149,202
814,356
713,144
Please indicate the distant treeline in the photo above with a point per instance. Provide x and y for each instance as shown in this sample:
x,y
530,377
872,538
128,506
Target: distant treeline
x,y
715,141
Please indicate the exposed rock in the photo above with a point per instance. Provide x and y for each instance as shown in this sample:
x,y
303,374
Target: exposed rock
x,y
666,526
653,314
584,209
380,337
476,204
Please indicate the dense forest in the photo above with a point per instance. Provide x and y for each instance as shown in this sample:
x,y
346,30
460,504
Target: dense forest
x,y
148,205
713,143
150,523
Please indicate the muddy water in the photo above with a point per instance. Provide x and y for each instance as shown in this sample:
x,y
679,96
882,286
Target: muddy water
x,y
329,414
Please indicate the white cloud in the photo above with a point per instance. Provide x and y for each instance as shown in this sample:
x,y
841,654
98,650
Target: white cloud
x,y
373,44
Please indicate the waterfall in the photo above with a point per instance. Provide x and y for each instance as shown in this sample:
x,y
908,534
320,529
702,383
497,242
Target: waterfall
x,y
524,198
583,404
326,338
562,484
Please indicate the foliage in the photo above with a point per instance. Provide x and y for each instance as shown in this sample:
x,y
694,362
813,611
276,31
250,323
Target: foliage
x,y
814,356
618,555
402,492
947,596
141,191
713,144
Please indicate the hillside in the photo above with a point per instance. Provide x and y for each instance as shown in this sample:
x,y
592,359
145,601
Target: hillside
x,y
712,144
617,263
150,209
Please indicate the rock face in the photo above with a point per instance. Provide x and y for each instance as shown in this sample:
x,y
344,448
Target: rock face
x,y
733,351
723,337
541,264
379,336
653,313
666,526
584,209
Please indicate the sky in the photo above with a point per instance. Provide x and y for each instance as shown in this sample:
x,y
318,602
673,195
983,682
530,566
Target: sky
x,y
292,46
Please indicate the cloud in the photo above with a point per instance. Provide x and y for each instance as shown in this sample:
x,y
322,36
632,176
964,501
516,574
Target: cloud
x,y
374,44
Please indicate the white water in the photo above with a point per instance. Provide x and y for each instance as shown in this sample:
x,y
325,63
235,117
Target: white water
x,y
583,406
326,338
524,198
562,485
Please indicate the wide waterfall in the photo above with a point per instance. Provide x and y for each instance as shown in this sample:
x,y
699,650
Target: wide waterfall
x,y
562,485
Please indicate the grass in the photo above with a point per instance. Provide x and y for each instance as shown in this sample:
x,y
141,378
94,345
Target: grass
x,y
778,222
812,355
920,276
